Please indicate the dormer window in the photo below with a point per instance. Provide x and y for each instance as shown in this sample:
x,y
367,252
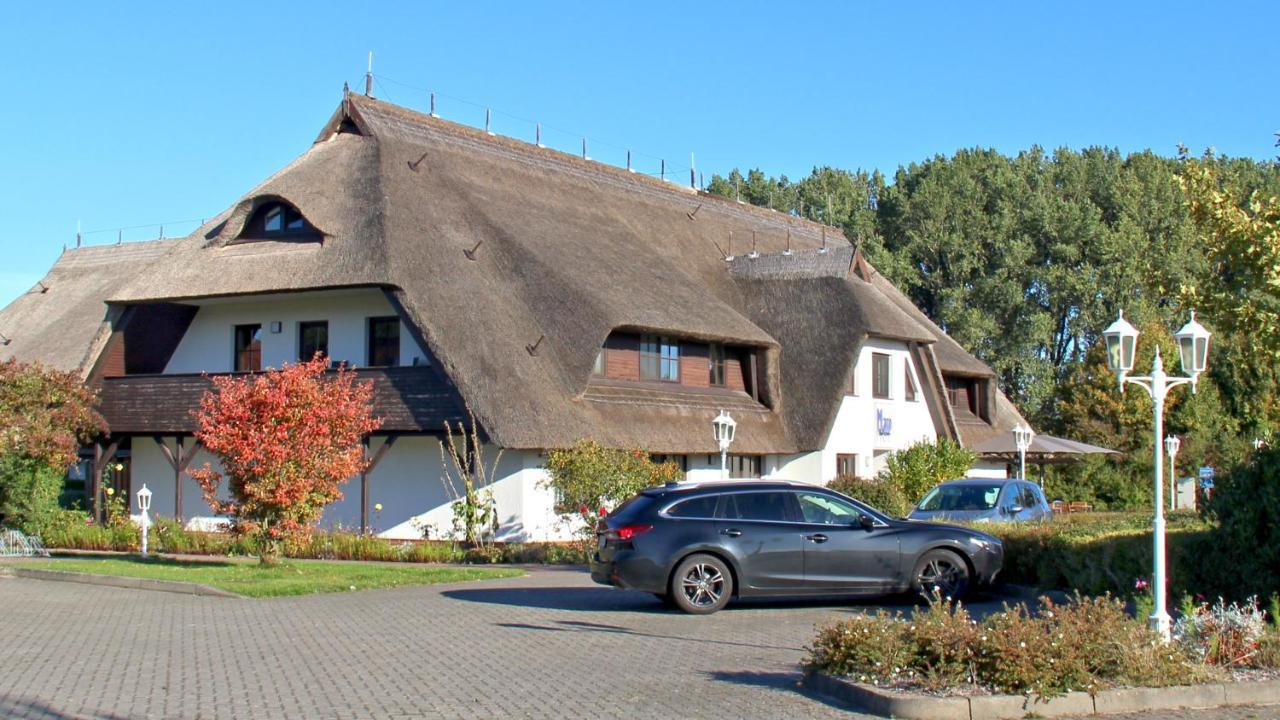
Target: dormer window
x,y
278,221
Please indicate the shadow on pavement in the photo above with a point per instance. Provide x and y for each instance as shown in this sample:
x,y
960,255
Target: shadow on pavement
x,y
21,708
604,599
783,681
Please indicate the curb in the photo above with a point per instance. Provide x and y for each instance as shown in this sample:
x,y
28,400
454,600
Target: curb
x,y
133,583
888,703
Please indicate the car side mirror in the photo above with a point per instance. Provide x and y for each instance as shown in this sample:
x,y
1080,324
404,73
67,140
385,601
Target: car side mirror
x,y
866,522
1016,509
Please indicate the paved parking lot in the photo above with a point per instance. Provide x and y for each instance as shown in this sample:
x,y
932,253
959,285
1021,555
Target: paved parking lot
x,y
549,645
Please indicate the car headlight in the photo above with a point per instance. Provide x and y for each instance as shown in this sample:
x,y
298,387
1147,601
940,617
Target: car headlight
x,y
984,543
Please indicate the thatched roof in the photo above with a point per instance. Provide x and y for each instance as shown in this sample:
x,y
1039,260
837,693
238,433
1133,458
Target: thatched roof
x,y
62,321
567,250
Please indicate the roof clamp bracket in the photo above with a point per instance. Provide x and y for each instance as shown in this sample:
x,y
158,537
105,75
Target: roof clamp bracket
x,y
693,214
533,349
471,254
5,339
413,164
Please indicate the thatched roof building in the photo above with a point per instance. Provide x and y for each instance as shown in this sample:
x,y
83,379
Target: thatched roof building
x,y
512,264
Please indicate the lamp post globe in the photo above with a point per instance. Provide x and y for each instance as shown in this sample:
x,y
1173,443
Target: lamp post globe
x,y
1172,443
724,427
1193,349
1022,440
1122,342
144,505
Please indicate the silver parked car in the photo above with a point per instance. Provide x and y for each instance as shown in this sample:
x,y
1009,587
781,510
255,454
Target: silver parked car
x,y
976,500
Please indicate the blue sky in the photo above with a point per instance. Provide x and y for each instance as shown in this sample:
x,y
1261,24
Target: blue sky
x,y
129,115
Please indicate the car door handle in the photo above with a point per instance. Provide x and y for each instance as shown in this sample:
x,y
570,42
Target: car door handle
x,y
731,532
817,538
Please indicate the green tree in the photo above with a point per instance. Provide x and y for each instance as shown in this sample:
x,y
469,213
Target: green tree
x,y
923,465
590,479
45,416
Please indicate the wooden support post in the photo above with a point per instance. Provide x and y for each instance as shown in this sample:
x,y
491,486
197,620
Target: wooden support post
x,y
102,454
179,458
364,478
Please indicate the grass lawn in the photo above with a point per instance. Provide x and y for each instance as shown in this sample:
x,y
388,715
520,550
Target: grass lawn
x,y
288,578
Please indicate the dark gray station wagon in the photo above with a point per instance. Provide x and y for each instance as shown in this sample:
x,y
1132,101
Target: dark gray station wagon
x,y
698,545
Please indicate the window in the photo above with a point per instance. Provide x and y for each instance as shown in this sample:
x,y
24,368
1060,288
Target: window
x,y
277,220
248,348
659,358
961,496
908,382
716,362
846,465
699,507
384,341
313,337
680,461
1029,498
763,506
880,375
823,509
744,467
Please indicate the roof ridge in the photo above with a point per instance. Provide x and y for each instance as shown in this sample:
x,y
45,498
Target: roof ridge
x,y
642,180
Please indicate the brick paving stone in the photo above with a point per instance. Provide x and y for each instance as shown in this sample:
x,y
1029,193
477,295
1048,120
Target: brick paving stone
x,y
548,645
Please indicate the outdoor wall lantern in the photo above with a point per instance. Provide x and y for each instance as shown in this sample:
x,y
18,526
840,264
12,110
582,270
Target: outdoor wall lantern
x,y
1172,443
1193,351
1022,440
724,427
144,504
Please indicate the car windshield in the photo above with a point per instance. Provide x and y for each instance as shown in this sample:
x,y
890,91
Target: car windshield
x,y
961,497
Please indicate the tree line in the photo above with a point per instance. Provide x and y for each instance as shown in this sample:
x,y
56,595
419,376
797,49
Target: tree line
x,y
1025,259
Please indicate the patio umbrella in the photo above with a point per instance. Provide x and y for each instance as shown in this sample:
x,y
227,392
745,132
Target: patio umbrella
x,y
1044,450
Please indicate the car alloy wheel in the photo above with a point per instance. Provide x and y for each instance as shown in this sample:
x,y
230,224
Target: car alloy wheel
x,y
701,585
943,572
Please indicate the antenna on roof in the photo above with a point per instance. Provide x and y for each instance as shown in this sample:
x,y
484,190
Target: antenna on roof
x,y
753,255
537,134
629,169
433,106
693,173
161,233
584,149
788,250
737,190
471,254
120,236
823,249
662,174
728,255
486,122
701,184
533,349
368,77
693,215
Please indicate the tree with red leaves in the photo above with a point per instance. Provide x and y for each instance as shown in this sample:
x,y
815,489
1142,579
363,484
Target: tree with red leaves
x,y
287,440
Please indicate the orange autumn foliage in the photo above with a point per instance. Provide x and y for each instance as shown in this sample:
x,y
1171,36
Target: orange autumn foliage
x,y
287,440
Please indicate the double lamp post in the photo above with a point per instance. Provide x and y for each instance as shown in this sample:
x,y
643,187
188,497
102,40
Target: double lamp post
x,y
1193,352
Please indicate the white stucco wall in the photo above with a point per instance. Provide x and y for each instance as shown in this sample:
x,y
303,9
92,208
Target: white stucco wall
x,y
149,465
208,345
855,431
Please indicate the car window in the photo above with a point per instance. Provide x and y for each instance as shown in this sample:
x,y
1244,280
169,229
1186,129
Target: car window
x,y
769,506
826,510
1033,498
961,497
1027,498
698,507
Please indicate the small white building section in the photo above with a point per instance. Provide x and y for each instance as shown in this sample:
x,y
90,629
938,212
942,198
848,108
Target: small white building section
x,y
873,419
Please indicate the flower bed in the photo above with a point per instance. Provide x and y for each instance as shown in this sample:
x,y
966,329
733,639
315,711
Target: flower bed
x,y
71,532
1086,645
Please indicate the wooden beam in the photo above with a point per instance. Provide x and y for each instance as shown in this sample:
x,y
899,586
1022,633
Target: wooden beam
x,y
179,459
101,454
364,478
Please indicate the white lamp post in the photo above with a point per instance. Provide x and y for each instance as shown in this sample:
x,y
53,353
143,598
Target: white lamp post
x,y
1193,352
1022,438
1171,445
144,504
724,427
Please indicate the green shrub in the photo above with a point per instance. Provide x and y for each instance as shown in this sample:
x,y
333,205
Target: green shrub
x,y
589,479
28,493
1243,558
918,468
1088,645
883,496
